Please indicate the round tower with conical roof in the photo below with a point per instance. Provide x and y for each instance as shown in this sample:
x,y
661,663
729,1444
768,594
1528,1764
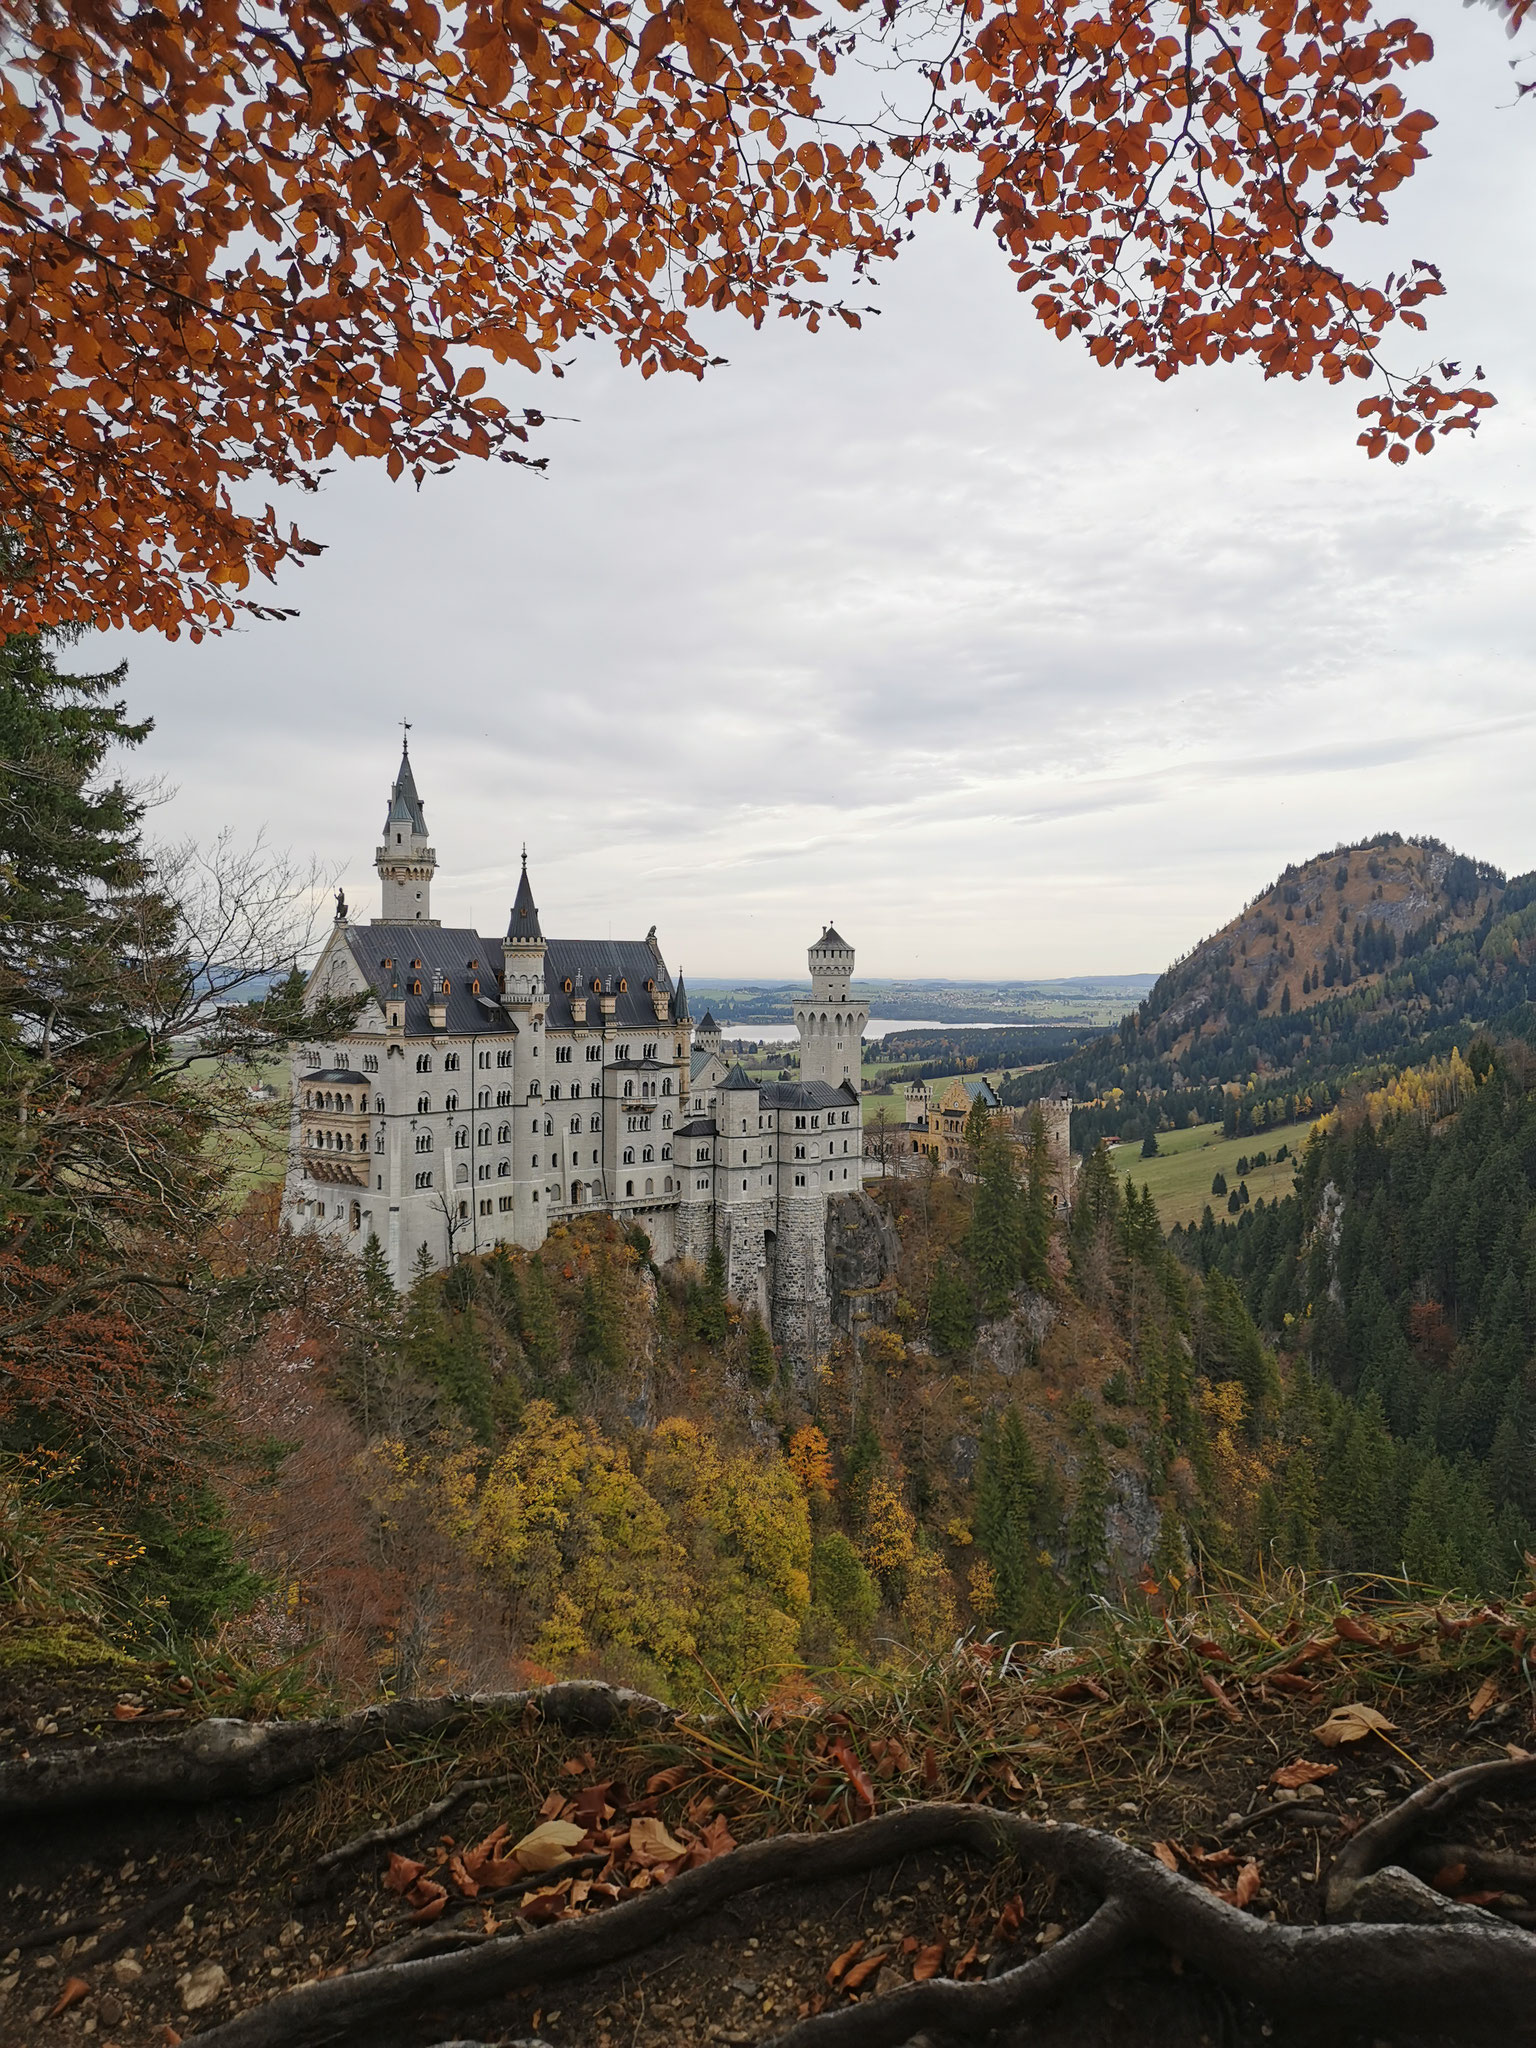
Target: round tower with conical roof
x,y
406,861
831,1024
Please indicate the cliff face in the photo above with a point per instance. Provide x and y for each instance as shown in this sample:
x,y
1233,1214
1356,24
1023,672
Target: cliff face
x,y
863,1252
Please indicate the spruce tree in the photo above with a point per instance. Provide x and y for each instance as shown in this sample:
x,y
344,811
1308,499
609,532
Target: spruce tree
x,y
996,1244
602,1322
1087,1535
540,1317
1036,1206
710,1322
1296,1541
761,1364
951,1311
1007,1508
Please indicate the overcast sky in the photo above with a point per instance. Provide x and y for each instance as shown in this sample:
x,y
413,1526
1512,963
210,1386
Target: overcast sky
x,y
1011,665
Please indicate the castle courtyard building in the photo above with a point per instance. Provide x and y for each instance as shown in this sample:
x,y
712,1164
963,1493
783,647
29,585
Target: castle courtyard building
x,y
492,1087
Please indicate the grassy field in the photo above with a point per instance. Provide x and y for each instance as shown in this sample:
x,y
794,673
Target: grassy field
x,y
1180,1177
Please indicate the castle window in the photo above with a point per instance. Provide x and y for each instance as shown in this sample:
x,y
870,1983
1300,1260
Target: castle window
x,y
666,1120
594,1054
415,988
666,1186
799,1180
629,1087
504,1059
650,1187
463,1211
504,1096
474,989
450,1063
450,1101
461,1138
647,1156
575,1123
447,988
312,1059
424,1180
621,1052
484,1173
623,986
649,1052
629,1155
461,1174
567,986
799,1151
370,1063
505,1203
378,1143
629,1186
416,963
554,1091
357,1216
423,1141
485,1208
666,1153
504,1134
423,1059
504,1170
485,1134
595,1124
564,1054
799,1123
485,1059
423,1105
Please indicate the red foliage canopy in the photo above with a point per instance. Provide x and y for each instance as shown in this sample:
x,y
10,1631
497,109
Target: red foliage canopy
x,y
238,240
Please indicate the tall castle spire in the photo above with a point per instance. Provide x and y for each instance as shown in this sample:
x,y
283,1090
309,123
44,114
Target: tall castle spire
x,y
406,861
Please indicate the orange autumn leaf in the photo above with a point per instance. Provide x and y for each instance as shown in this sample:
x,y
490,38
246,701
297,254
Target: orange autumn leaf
x,y
928,1963
428,1897
862,1971
1290,1777
1164,1853
402,1872
840,1963
75,1988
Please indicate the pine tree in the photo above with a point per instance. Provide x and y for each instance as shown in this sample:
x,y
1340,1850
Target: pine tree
x,y
861,1461
996,1245
761,1363
1087,1534
1296,1538
1149,1145
710,1322
602,1322
1007,1507
540,1316
1036,1217
951,1311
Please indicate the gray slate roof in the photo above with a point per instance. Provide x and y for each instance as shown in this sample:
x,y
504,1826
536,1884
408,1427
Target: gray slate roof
x,y
707,1023
806,1095
831,937
524,921
448,953
701,1127
338,1075
738,1078
404,804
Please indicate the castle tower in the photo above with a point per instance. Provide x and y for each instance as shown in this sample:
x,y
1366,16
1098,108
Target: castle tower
x,y
522,950
706,1036
406,862
831,1024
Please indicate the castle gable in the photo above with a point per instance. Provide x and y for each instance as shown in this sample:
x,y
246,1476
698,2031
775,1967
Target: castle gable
x,y
463,959
581,962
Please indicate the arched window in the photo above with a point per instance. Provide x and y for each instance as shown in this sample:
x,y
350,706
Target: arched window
x,y
650,1187
378,1104
423,1141
423,1105
575,1123
666,1086
647,1156
485,1134
504,1134
423,1062
415,988
461,1138
666,1120
461,1172
450,1063
504,1171
629,1155
629,1186
666,1186
629,1087
451,1100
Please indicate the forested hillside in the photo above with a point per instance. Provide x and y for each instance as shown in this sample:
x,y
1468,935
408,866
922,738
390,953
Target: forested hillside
x,y
1403,1274
1350,966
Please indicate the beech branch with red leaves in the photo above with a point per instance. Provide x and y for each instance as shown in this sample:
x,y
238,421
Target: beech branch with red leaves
x,y
233,247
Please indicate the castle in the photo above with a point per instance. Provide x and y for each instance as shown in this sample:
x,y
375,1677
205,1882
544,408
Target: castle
x,y
491,1088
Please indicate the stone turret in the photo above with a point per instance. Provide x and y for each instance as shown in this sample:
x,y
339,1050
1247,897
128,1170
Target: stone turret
x,y
522,950
831,1024
406,861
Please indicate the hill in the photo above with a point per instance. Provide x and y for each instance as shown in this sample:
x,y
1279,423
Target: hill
x,y
1349,966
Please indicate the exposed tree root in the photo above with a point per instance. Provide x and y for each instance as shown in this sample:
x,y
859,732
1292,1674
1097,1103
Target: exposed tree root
x,y
1477,1868
1379,1840
240,1759
1465,1970
334,1860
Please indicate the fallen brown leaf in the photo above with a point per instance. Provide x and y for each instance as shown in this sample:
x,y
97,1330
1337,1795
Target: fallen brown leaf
x,y
1351,1630
840,1963
1246,1890
861,1972
1483,1699
1352,1724
548,1844
74,1990
668,1780
429,1898
1164,1852
1290,1777
928,1963
461,1880
1220,1697
650,1842
402,1873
